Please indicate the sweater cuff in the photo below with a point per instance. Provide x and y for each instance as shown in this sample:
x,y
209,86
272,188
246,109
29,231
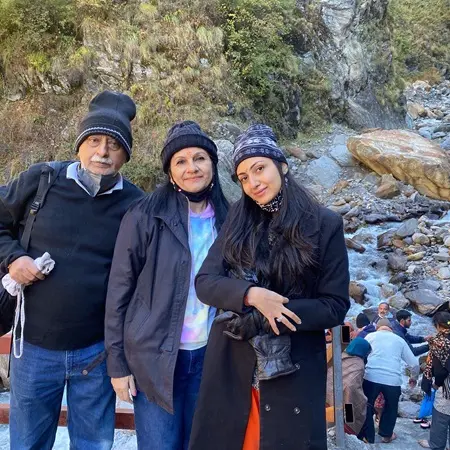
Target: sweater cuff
x,y
4,266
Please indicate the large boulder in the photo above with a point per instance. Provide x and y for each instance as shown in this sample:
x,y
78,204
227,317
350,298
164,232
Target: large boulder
x,y
408,157
425,301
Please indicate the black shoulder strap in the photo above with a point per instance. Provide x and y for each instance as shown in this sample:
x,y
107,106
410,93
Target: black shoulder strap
x,y
49,174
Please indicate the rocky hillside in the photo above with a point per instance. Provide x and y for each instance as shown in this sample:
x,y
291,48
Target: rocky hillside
x,y
297,65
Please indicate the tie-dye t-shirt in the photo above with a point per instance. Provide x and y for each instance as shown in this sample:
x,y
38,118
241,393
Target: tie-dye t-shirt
x,y
198,317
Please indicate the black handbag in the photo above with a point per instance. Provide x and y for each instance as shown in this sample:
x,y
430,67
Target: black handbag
x,y
49,173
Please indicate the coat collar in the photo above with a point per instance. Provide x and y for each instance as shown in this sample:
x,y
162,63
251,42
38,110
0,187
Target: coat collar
x,y
175,216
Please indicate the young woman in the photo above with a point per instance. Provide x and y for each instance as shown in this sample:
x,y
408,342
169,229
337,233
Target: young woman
x,y
436,376
156,328
280,258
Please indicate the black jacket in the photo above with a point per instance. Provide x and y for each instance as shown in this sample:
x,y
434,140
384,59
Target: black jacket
x,y
292,406
66,310
147,294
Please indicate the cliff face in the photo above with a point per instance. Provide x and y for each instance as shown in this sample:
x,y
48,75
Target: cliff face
x,y
296,65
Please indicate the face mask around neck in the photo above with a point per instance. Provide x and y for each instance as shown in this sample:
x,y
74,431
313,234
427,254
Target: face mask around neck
x,y
97,184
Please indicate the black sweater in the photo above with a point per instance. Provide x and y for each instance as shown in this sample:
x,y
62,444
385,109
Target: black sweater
x,y
66,310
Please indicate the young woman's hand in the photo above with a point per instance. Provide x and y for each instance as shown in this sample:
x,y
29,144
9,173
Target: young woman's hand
x,y
125,388
271,305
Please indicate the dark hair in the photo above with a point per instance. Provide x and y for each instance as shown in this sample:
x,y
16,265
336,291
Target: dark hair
x,y
362,320
442,319
384,303
245,245
403,315
216,198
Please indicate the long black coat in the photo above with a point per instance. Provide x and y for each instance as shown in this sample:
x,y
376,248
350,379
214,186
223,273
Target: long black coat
x,y
293,406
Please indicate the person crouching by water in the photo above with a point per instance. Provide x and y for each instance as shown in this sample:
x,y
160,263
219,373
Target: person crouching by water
x,y
279,270
354,359
156,328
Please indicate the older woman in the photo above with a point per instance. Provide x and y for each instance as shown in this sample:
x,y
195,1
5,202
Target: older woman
x,y
280,269
354,359
156,328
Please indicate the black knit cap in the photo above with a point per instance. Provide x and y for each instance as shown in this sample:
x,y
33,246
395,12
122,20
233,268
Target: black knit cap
x,y
184,135
362,320
257,140
109,113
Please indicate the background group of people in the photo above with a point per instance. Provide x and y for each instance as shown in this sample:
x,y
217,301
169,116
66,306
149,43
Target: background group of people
x,y
372,366
210,318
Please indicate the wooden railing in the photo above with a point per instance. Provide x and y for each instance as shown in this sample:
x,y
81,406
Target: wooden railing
x,y
124,416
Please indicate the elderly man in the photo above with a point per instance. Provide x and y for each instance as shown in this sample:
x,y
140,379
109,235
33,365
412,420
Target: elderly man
x,y
63,333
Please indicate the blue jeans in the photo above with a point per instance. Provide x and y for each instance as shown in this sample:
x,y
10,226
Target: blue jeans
x,y
156,429
38,380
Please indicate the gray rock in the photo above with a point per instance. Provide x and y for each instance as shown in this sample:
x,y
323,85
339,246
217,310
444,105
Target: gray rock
x,y
438,135
324,171
342,209
425,301
431,285
446,144
398,301
407,228
343,157
408,410
340,139
398,278
375,218
426,132
444,127
354,212
397,262
226,130
230,189
388,290
372,179
444,273
442,256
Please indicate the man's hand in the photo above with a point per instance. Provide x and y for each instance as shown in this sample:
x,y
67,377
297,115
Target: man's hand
x,y
24,271
427,338
124,388
412,383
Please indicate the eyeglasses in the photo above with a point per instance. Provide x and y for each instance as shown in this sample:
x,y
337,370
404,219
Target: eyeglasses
x,y
95,141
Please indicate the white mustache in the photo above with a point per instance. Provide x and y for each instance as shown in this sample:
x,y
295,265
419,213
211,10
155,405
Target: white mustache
x,y
99,159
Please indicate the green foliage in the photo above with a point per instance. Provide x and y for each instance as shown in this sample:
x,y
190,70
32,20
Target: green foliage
x,y
39,61
421,37
257,35
36,26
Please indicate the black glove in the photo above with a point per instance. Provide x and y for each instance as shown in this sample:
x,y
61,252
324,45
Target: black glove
x,y
273,356
243,327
